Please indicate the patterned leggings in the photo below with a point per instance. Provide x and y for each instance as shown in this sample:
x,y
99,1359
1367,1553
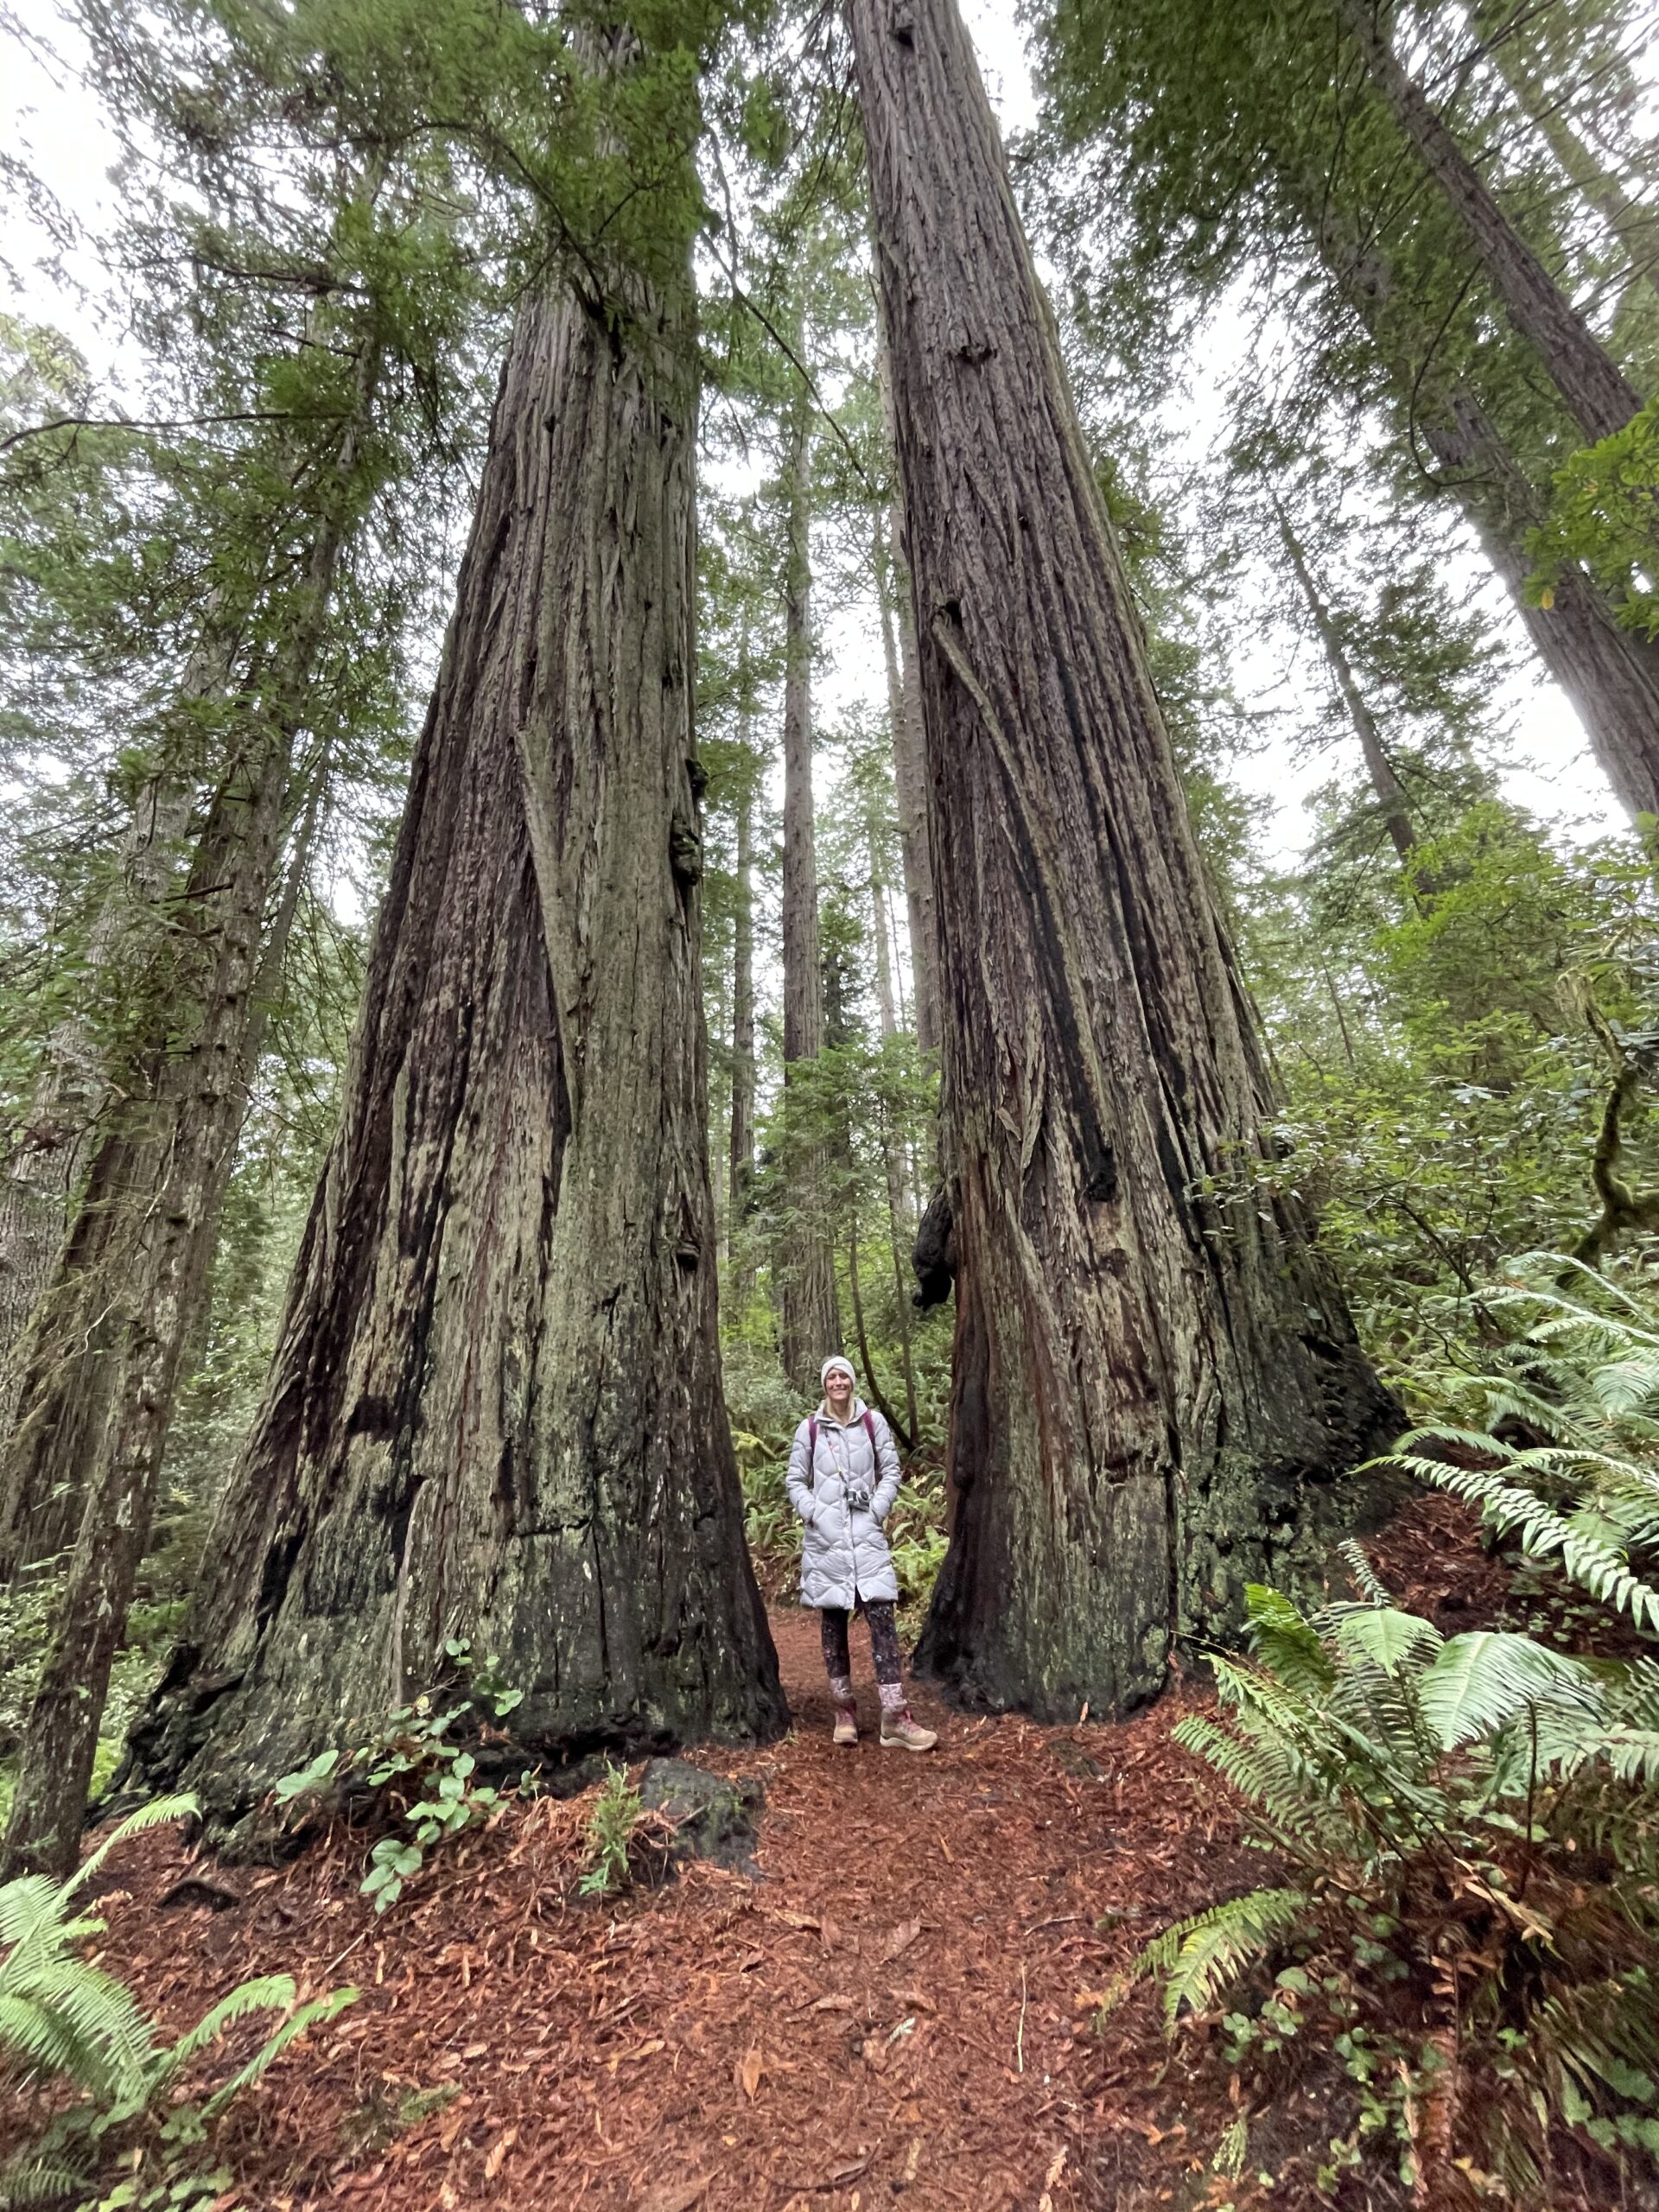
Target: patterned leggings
x,y
884,1650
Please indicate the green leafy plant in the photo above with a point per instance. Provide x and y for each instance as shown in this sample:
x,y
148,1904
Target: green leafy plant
x,y
613,1827
62,2016
1468,1827
414,1754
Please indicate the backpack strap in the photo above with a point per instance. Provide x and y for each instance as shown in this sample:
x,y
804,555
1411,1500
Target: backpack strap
x,y
869,1431
812,1450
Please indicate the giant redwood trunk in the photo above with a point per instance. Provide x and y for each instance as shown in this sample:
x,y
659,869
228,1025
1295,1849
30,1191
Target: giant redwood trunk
x,y
495,1407
805,1259
1156,1389
1594,389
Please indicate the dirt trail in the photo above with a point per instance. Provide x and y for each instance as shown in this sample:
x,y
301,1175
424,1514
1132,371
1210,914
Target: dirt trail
x,y
890,2014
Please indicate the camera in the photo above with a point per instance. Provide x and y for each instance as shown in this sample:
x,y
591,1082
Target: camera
x,y
858,1498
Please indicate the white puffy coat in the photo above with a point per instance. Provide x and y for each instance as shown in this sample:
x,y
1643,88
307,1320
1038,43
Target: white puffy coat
x,y
844,1555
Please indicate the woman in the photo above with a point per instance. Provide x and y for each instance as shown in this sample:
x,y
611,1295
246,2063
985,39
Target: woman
x,y
843,1476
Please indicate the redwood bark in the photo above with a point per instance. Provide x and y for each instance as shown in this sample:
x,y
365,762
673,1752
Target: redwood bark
x,y
1156,1389
1389,792
811,1325
495,1407
1595,390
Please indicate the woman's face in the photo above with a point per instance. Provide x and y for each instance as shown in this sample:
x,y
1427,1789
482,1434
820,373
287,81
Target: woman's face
x,y
838,1390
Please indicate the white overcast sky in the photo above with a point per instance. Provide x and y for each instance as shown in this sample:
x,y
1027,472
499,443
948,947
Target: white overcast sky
x,y
46,115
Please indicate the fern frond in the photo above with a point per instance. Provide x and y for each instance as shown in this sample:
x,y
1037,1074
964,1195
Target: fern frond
x,y
155,1815
1396,1642
270,1992
1286,1642
1543,1531
1207,1954
1366,1577
319,2011
1481,1682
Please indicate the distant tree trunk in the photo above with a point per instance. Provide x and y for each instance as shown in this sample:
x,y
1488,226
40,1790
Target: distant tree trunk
x,y
1609,674
885,1013
495,1406
49,1156
1156,1385
811,1325
1503,29
1390,793
144,1245
1595,390
910,784
741,1157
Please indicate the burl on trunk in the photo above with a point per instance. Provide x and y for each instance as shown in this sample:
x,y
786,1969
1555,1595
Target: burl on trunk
x,y
1156,1386
495,1409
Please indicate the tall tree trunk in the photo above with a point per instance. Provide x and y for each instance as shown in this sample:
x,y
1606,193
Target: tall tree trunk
x,y
49,1158
88,1325
885,1013
909,783
1609,673
1155,1385
1390,793
1503,29
495,1407
152,1215
741,1157
1594,389
811,1325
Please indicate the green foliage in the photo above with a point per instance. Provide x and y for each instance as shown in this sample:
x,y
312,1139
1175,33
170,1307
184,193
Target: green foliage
x,y
1471,1828
62,2016
611,1827
1442,1090
1605,516
414,1756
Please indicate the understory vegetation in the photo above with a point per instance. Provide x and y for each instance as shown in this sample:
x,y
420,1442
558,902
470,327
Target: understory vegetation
x,y
326,1313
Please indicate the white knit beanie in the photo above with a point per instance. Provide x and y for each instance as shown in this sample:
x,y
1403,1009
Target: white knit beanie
x,y
835,1359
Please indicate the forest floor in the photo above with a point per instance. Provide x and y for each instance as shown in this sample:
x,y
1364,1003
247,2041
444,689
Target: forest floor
x,y
898,2008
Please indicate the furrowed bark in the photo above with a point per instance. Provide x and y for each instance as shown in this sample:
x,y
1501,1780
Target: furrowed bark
x,y
1390,793
811,1324
495,1407
1596,392
1156,1389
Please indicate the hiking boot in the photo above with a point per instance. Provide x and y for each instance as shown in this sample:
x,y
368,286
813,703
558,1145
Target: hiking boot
x,y
845,1723
899,1732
